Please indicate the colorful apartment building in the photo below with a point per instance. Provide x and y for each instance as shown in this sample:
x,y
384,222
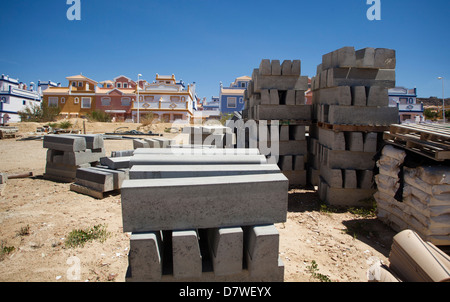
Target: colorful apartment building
x,y
14,97
116,97
76,100
167,99
231,98
406,102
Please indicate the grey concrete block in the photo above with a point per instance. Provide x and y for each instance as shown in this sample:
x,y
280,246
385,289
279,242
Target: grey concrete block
x,y
97,180
370,142
93,141
293,147
385,58
354,141
116,162
122,153
337,159
365,179
261,249
276,67
296,67
333,177
182,171
340,95
332,139
203,202
140,143
350,180
299,162
194,159
286,163
365,58
197,151
284,133
145,257
281,112
83,157
187,259
3,178
296,177
300,97
359,77
280,82
265,97
227,248
290,97
359,96
344,57
118,176
378,96
286,67
354,115
344,197
297,132
274,97
64,143
265,67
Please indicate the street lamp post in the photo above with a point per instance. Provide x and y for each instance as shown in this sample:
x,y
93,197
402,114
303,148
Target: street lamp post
x,y
137,87
443,98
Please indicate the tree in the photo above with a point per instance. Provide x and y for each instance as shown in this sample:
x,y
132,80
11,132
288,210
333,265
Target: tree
x,y
39,113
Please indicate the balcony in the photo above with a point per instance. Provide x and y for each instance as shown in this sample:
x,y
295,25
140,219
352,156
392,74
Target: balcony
x,y
410,107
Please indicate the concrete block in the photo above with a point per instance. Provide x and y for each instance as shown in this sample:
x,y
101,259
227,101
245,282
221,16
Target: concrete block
x,y
354,141
203,202
365,179
276,67
226,247
296,67
194,159
385,58
359,77
365,58
187,259
344,57
340,95
97,180
370,142
281,112
145,257
344,197
181,171
293,147
337,159
378,96
290,97
300,97
350,180
265,67
116,162
284,133
261,249
83,157
359,96
64,143
299,162
140,143
122,153
93,141
274,97
118,176
286,163
197,151
296,177
333,177
332,139
354,115
3,178
280,82
286,67
265,96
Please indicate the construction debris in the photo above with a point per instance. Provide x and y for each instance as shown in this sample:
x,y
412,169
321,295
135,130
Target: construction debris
x,y
8,132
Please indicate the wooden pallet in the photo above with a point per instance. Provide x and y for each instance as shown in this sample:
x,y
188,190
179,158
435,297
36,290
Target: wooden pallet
x,y
355,128
426,132
431,149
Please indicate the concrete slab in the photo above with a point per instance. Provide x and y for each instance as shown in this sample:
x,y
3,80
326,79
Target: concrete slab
x,y
185,159
93,141
281,112
337,159
98,180
116,162
197,151
203,202
370,116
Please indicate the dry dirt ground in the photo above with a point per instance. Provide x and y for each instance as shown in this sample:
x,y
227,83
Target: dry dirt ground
x,y
36,216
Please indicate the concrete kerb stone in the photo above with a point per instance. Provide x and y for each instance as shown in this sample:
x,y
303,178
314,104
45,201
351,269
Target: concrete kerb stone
x,y
190,159
226,247
187,259
198,151
97,180
145,257
64,143
212,202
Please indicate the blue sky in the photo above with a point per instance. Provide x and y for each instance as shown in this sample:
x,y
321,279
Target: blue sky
x,y
209,41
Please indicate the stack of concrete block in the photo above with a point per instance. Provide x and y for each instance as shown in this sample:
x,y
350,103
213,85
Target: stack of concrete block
x,y
423,202
204,217
277,93
351,107
67,153
210,135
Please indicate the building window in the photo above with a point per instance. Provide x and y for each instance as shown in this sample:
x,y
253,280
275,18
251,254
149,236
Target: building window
x,y
119,85
125,85
149,98
231,102
241,100
74,84
106,101
85,102
63,100
24,102
80,84
52,102
126,101
175,98
76,101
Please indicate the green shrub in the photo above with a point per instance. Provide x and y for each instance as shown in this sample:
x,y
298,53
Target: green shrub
x,y
99,116
79,237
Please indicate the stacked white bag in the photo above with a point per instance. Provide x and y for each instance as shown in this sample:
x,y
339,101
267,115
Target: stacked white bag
x,y
425,206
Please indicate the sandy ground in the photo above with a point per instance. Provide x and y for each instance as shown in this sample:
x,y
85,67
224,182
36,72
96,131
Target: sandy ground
x,y
342,244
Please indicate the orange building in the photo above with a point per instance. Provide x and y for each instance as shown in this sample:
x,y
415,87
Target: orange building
x,y
76,100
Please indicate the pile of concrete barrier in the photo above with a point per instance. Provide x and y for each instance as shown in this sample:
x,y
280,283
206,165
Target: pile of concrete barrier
x,y
413,198
207,214
275,98
67,153
412,260
351,107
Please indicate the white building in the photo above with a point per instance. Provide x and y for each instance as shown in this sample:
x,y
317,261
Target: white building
x,y
15,96
406,102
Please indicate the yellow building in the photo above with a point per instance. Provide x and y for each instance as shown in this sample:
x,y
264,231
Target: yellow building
x,y
76,100
166,99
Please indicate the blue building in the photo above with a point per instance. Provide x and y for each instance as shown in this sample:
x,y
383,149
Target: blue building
x,y
406,102
231,99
